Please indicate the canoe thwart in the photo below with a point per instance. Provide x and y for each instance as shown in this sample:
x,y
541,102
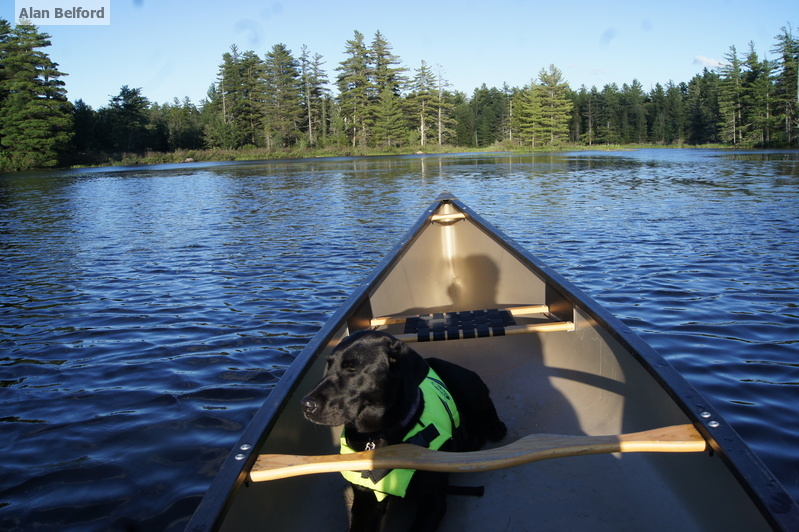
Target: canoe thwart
x,y
532,448
470,324
516,311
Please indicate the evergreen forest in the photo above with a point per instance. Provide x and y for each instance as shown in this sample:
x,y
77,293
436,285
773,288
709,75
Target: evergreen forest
x,y
287,104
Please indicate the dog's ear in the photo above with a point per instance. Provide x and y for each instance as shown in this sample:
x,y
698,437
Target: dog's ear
x,y
406,362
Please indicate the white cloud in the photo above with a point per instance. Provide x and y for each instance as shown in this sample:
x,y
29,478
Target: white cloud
x,y
708,62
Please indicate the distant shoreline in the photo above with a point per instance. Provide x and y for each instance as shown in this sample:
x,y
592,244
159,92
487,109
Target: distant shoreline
x,y
263,154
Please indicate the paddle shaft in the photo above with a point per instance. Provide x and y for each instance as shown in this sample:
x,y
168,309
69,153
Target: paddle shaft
x,y
533,448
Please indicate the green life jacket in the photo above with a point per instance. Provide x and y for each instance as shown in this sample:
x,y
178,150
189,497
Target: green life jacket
x,y
438,421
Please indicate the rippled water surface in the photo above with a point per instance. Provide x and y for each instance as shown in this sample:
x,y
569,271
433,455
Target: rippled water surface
x,y
145,313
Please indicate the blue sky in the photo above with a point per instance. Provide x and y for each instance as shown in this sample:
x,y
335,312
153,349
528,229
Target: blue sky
x,y
172,48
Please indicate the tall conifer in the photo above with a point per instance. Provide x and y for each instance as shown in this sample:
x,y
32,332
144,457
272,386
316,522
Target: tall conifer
x,y
633,127
703,108
389,126
758,97
224,128
731,98
313,92
128,118
786,85
556,106
444,108
250,110
527,115
422,101
355,88
282,104
35,118
586,108
490,114
386,72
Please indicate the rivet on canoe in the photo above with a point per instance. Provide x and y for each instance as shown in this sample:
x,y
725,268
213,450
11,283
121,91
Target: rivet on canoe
x,y
245,447
240,456
713,424
705,414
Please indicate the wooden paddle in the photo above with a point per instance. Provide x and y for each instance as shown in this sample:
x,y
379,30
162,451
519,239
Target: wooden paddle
x,y
678,438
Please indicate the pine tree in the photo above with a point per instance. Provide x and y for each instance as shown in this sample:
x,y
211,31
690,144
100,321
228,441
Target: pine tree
x,y
731,98
228,83
675,112
594,105
179,123
84,120
555,105
127,115
35,115
338,130
758,98
490,114
282,104
786,90
703,108
528,110
633,120
217,131
355,88
387,82
386,72
5,35
608,129
507,116
238,100
464,115
223,129
586,115
250,110
158,127
444,108
786,86
389,127
313,91
422,99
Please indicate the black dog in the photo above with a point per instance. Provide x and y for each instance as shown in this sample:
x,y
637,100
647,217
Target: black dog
x,y
383,392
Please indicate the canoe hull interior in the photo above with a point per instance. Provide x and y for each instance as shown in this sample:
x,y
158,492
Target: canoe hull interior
x,y
535,391
592,380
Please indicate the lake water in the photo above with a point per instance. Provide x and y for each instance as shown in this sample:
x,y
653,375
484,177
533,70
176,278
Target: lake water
x,y
145,313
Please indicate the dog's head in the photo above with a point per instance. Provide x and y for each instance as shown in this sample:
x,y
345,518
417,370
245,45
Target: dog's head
x,y
370,381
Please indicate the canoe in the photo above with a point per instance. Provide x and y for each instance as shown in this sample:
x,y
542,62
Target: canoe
x,y
556,362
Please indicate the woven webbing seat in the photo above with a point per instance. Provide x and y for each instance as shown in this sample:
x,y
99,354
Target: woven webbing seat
x,y
464,324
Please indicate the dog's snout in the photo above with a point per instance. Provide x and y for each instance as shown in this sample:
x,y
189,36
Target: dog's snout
x,y
309,405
